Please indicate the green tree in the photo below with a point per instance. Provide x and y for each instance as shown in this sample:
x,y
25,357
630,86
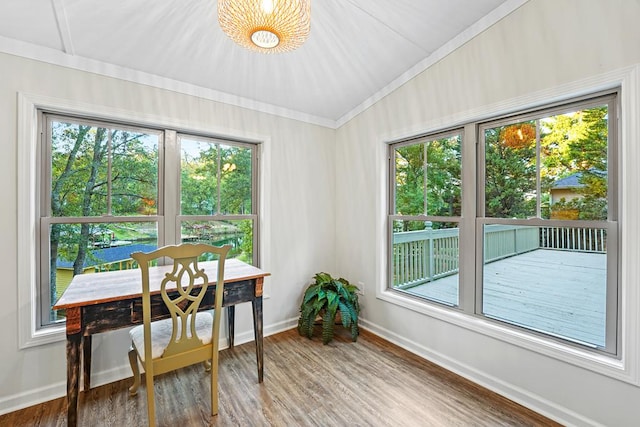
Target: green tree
x,y
235,180
235,192
92,169
443,177
216,179
428,170
510,171
577,143
410,193
199,179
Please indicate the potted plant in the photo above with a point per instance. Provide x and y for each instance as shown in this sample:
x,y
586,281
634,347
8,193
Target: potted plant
x,y
324,300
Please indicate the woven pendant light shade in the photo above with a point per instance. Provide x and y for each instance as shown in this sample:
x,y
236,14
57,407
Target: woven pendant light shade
x,y
267,26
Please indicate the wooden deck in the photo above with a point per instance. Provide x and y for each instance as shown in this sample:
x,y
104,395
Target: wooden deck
x,y
561,293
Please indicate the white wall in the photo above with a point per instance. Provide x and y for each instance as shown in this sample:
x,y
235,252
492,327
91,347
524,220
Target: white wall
x,y
545,44
300,169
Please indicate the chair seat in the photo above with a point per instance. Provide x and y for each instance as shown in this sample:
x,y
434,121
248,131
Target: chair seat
x,y
161,334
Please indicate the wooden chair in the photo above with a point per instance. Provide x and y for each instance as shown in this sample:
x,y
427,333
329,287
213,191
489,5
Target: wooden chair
x,y
185,338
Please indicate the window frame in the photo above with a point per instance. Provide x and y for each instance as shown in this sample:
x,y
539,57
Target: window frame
x,y
471,228
255,197
29,137
45,119
613,289
392,215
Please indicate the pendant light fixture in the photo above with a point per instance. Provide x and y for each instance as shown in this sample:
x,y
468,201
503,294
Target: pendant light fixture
x,y
267,26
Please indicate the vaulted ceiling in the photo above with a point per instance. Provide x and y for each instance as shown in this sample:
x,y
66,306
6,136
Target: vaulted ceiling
x,y
358,50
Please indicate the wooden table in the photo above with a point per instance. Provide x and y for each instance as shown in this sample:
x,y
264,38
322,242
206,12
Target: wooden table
x,y
103,302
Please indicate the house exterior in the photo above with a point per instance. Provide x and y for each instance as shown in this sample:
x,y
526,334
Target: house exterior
x,y
105,259
566,188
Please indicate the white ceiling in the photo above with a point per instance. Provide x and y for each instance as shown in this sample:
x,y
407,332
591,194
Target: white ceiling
x,y
358,50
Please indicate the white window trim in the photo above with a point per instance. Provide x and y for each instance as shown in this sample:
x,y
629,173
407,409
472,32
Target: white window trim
x,y
627,367
29,334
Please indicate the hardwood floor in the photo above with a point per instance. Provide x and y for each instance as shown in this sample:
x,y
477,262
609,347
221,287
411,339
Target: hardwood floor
x,y
368,383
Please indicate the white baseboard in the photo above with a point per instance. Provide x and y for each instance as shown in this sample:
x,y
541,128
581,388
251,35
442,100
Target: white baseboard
x,y
59,389
32,397
529,400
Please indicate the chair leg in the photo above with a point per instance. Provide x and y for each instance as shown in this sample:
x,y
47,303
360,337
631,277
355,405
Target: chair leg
x,y
214,392
133,361
207,365
214,386
151,402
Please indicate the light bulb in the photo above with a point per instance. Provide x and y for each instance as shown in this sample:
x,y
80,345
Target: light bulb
x,y
267,6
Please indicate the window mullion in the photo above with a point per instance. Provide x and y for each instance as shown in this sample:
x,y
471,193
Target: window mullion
x,y
467,290
218,179
109,164
538,169
425,187
169,177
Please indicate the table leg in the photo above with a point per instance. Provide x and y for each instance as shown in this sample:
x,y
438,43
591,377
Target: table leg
x,y
86,362
258,334
73,373
231,317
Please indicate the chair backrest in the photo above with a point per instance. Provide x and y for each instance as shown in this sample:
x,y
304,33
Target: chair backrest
x,y
182,290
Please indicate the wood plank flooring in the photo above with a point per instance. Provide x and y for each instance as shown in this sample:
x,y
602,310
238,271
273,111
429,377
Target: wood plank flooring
x,y
368,383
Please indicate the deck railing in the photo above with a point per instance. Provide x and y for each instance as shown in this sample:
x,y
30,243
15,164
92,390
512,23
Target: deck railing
x,y
574,239
502,241
426,255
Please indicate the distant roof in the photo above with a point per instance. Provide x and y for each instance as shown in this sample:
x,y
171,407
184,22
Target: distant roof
x,y
573,180
108,255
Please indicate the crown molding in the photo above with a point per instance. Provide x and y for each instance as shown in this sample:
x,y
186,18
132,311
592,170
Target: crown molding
x,y
57,57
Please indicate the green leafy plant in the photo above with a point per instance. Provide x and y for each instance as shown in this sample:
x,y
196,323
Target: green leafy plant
x,y
324,299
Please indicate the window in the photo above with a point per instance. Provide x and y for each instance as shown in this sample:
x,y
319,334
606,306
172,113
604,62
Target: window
x,y
105,193
217,193
548,222
425,215
546,226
